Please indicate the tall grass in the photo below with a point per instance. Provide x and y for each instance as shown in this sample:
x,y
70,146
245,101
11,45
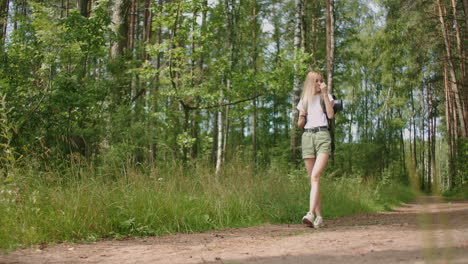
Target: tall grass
x,y
89,205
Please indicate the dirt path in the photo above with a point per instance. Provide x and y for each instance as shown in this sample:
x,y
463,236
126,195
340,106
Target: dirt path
x,y
429,230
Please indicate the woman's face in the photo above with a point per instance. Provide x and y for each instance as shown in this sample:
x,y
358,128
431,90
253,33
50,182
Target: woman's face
x,y
318,81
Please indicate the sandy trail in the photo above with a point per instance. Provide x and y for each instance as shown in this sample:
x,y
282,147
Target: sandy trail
x,y
429,230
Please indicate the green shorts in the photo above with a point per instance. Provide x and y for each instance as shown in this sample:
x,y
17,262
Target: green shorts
x,y
314,143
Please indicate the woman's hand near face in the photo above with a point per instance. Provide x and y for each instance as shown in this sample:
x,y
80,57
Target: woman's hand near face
x,y
323,88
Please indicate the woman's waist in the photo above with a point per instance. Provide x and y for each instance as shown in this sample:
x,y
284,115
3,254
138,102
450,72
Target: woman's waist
x,y
315,129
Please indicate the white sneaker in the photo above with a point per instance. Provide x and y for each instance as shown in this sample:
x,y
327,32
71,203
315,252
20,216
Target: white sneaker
x,y
318,222
308,219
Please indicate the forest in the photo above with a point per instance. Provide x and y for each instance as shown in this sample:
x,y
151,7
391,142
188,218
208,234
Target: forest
x,y
117,113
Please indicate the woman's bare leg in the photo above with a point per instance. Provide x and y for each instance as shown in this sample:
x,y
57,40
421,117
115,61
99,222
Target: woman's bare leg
x,y
309,163
319,166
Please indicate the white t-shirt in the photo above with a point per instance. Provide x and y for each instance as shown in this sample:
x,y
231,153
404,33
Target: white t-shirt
x,y
315,115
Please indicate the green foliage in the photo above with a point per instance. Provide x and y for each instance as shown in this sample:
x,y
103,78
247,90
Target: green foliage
x,y
460,162
461,192
90,33
362,159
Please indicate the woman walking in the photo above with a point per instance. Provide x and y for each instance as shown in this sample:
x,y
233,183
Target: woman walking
x,y
314,107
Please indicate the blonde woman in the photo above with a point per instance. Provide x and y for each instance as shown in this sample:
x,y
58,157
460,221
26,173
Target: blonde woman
x,y
316,141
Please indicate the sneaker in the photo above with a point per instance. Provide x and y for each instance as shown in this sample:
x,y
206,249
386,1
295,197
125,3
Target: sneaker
x,y
308,219
318,222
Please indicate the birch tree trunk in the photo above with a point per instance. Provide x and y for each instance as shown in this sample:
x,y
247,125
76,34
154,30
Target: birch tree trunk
x,y
120,26
219,150
313,39
132,24
297,82
303,23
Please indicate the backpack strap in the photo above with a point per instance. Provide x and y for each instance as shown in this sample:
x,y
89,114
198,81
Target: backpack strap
x,y
329,124
322,103
324,109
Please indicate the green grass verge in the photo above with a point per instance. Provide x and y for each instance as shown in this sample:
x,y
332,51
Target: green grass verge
x,y
89,206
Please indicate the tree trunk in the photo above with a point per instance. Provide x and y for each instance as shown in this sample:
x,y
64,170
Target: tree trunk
x,y
83,7
214,135
462,59
254,131
194,134
203,30
453,78
414,129
197,62
186,131
219,151
254,66
226,132
330,32
303,24
16,8
366,113
313,48
62,9
433,147
277,62
120,27
423,148
3,21
429,138
402,146
229,46
330,43
450,134
147,28
150,88
132,24
157,83
297,82
465,7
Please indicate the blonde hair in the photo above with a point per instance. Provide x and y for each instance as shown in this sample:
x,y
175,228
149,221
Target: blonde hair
x,y
308,91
